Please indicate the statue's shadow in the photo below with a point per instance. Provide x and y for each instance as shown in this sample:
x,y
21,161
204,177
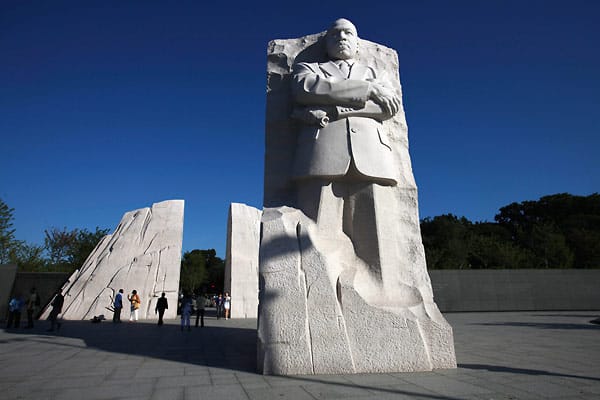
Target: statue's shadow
x,y
227,344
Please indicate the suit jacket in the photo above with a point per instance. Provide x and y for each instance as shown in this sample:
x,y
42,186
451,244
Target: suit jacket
x,y
326,151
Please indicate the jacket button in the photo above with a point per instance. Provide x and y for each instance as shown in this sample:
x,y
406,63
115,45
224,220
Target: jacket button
x,y
353,130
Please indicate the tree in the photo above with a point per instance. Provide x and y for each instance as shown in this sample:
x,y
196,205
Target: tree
x,y
446,239
216,271
193,271
85,242
68,250
550,246
8,243
29,257
562,230
202,270
59,244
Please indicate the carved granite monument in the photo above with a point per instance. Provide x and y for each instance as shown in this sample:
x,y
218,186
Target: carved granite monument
x,y
241,260
143,254
343,284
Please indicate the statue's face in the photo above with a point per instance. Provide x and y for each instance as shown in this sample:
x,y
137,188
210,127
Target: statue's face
x,y
342,40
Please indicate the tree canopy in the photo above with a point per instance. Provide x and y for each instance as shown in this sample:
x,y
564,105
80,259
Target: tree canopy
x,y
8,243
556,231
63,249
202,271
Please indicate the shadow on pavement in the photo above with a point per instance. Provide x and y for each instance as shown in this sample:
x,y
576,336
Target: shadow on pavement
x,y
568,315
542,325
232,347
498,368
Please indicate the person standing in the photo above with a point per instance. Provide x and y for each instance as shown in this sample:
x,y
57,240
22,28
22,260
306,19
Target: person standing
x,y
200,311
186,312
135,301
57,304
227,304
33,304
118,306
219,304
14,312
161,305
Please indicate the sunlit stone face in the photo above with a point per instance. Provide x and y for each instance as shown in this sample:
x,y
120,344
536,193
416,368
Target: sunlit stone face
x,y
342,40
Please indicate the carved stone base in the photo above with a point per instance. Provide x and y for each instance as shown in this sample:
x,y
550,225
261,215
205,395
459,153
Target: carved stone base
x,y
314,316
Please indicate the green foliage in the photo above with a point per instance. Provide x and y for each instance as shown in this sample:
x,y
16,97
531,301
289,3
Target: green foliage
x,y
30,257
201,270
85,242
58,243
68,250
8,243
193,270
557,231
63,250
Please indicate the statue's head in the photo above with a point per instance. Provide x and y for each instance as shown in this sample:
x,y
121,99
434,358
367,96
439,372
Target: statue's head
x,y
341,40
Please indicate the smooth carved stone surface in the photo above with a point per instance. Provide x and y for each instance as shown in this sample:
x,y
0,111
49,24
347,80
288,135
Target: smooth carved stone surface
x,y
281,130
343,283
143,253
241,262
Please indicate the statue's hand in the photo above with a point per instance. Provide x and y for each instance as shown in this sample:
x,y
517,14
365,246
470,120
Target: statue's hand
x,y
385,97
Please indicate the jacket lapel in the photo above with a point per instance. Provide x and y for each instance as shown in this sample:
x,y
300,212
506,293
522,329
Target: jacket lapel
x,y
330,68
358,70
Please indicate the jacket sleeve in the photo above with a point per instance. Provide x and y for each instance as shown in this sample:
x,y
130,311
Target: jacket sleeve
x,y
310,87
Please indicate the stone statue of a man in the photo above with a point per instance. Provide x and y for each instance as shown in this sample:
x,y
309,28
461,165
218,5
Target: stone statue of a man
x,y
343,284
347,102
342,150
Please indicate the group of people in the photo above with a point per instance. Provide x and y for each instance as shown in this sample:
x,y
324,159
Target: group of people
x,y
190,305
32,305
223,305
135,302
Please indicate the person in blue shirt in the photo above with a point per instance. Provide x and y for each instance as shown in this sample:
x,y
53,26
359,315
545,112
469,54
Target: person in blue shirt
x,y
15,306
118,306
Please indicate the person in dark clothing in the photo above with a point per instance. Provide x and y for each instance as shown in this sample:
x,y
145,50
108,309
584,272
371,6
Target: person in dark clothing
x,y
118,306
33,304
219,303
161,306
57,305
200,311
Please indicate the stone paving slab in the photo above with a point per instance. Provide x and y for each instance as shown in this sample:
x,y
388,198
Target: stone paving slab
x,y
512,355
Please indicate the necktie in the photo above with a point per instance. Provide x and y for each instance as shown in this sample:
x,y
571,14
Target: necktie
x,y
344,67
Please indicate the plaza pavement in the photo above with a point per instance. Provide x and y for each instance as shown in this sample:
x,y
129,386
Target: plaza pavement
x,y
511,355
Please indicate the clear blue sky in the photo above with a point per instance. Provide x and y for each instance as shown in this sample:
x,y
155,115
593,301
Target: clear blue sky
x,y
109,106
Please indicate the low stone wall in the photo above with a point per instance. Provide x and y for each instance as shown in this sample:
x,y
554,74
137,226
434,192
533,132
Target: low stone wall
x,y
516,290
7,278
45,283
454,290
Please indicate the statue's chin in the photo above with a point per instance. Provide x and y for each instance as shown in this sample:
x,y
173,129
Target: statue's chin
x,y
341,55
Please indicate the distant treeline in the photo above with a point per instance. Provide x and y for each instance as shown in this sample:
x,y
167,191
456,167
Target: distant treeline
x,y
557,231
